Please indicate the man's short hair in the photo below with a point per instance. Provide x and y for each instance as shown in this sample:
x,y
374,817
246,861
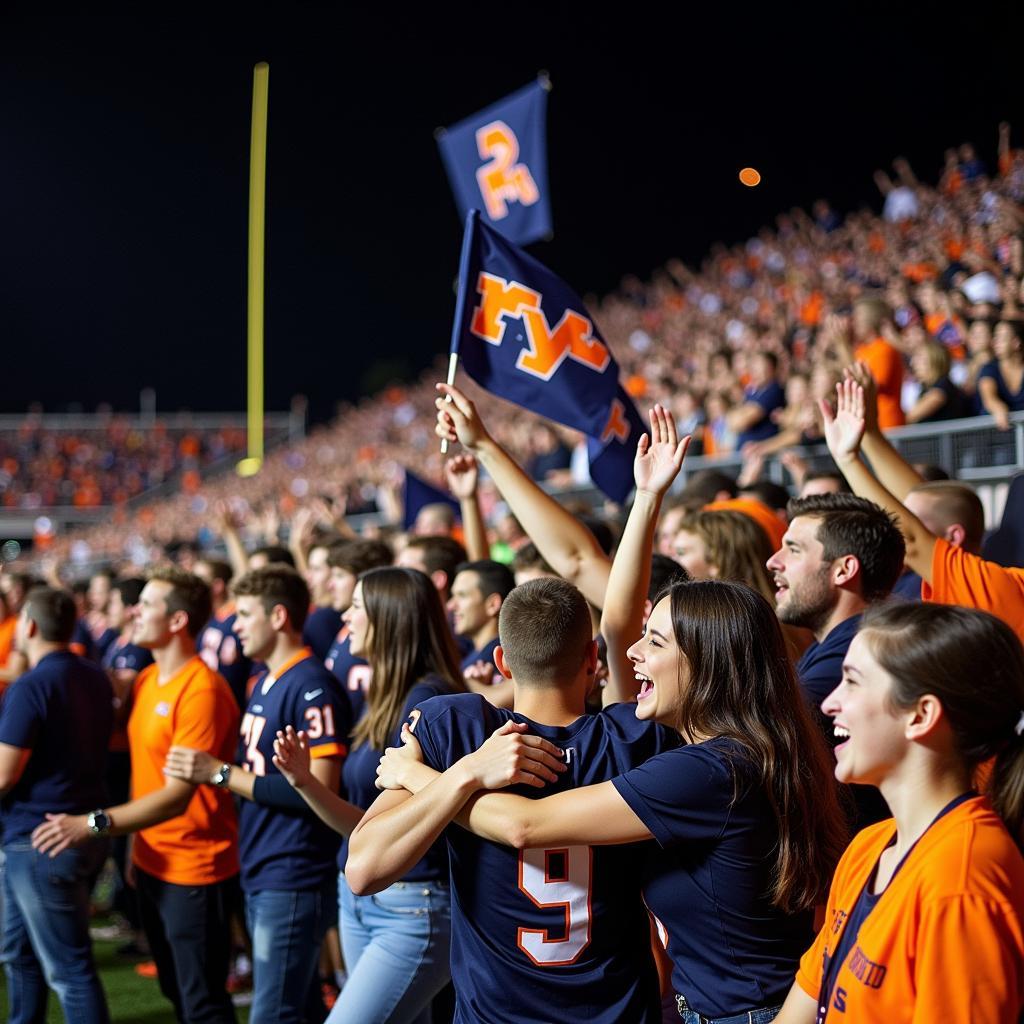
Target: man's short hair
x,y
529,558
544,629
494,577
275,554
219,569
277,585
828,474
769,493
130,590
707,484
958,503
849,525
357,556
440,554
53,611
188,594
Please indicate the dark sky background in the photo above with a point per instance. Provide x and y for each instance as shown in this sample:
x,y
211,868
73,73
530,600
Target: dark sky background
x,y
124,145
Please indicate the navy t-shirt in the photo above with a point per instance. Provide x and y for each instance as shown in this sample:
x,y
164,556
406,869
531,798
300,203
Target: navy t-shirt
x,y
218,646
353,673
289,848
558,934
731,949
124,655
63,711
908,586
359,777
769,398
820,668
322,625
485,654
1014,400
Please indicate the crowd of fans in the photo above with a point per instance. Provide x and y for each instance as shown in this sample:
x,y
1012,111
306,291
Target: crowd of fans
x,y
43,466
740,350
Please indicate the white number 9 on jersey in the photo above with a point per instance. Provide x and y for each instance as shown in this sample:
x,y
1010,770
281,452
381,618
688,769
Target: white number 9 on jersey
x,y
557,878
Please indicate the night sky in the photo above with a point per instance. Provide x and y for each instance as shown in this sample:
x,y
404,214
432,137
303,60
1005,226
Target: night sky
x,y
124,147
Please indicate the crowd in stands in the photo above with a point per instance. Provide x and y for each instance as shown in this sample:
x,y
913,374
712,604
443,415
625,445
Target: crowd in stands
x,y
44,466
740,350
753,677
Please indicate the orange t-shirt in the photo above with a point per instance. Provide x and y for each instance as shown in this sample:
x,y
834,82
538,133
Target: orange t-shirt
x,y
886,366
958,577
194,708
945,940
7,638
772,525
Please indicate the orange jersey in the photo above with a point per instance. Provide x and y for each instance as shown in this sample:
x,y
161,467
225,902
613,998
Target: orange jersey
x,y
945,940
886,366
7,638
194,708
958,577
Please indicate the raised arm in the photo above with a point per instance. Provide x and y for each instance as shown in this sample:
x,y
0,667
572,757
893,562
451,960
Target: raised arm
x,y
463,475
895,475
658,461
843,433
566,544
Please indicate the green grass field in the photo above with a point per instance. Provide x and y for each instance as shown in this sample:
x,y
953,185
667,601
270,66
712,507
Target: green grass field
x,y
131,998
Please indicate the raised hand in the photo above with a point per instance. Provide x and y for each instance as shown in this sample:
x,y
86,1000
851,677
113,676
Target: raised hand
x,y
845,428
860,373
510,755
458,420
660,456
291,755
462,474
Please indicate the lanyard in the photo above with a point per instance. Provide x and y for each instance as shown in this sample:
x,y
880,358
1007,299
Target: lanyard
x,y
831,964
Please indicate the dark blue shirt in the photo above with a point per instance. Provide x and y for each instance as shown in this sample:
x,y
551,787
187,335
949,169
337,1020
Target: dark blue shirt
x,y
1014,400
288,847
731,949
123,655
485,654
769,398
359,777
218,646
63,711
322,625
529,949
353,673
908,586
820,669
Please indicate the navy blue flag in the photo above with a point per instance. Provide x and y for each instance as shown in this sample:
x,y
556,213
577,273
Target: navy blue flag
x,y
522,333
416,493
497,162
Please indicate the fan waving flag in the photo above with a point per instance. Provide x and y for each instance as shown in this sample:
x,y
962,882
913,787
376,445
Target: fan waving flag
x,y
522,333
497,162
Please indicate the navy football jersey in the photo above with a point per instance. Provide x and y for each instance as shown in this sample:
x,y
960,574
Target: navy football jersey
x,y
548,935
284,848
124,655
353,673
218,646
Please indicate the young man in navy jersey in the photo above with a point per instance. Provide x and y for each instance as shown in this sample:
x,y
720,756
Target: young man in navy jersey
x,y
324,620
287,854
55,724
347,559
478,590
217,644
537,935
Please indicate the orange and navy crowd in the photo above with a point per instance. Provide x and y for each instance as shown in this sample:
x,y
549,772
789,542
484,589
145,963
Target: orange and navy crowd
x,y
738,753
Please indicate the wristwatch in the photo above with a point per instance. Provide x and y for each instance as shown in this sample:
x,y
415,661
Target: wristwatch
x,y
221,775
98,822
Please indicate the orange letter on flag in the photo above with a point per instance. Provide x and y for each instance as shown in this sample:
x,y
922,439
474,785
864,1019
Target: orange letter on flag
x,y
498,297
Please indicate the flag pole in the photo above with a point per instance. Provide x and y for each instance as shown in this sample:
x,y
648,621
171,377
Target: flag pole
x,y
257,239
453,365
460,303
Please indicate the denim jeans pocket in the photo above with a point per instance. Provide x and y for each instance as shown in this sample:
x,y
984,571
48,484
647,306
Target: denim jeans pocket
x,y
405,898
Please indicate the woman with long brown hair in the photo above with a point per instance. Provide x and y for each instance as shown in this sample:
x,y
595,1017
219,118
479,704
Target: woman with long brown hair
x,y
396,943
925,917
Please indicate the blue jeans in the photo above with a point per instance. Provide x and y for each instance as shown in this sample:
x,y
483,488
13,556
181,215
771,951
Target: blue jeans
x,y
46,933
397,952
761,1016
287,929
